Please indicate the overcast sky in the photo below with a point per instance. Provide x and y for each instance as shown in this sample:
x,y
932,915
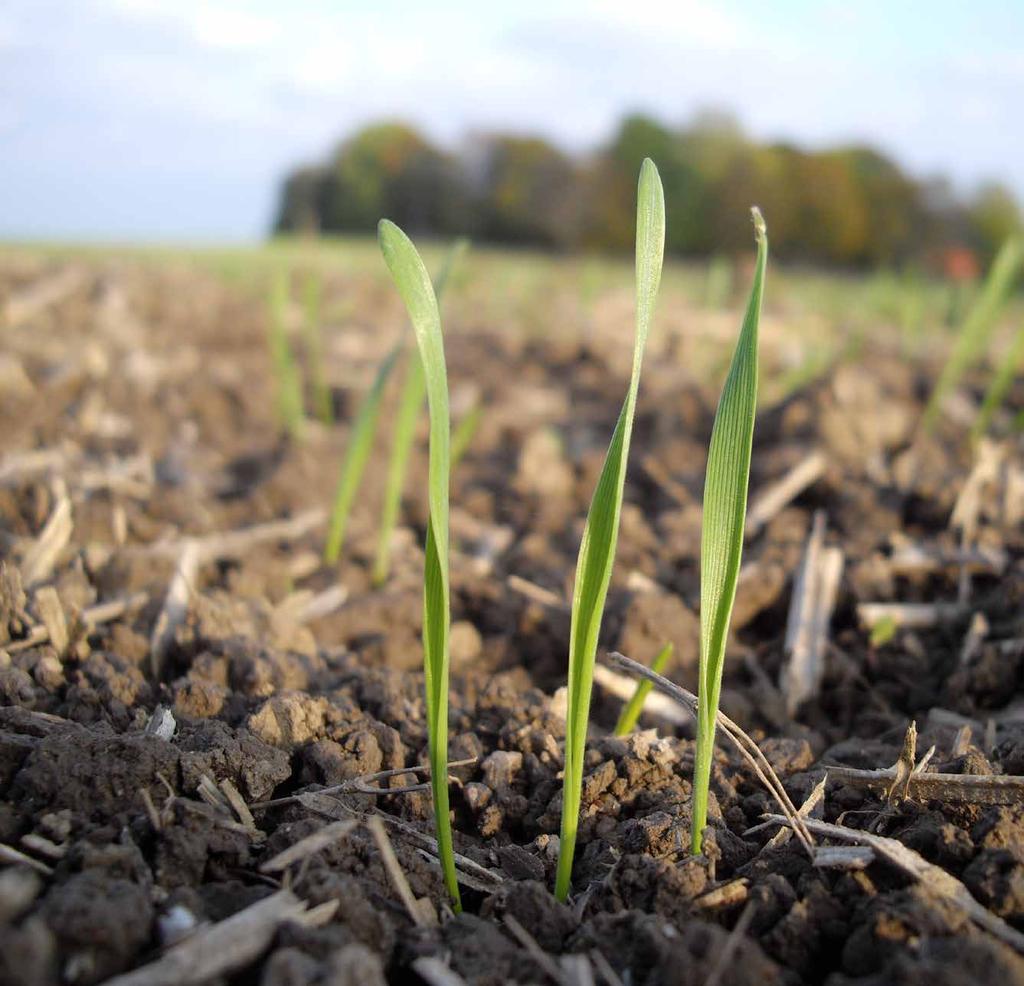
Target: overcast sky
x,y
175,119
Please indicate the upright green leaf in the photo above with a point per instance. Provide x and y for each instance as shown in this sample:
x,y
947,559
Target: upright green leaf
x,y
413,283
597,549
360,444
414,389
287,377
630,714
1002,380
464,433
725,510
974,334
315,351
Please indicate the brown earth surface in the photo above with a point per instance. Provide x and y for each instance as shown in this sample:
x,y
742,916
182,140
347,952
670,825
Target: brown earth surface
x,y
145,787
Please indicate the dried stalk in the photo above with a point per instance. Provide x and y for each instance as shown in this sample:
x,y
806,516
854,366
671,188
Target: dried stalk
x,y
746,747
175,607
421,911
943,885
92,617
53,538
220,949
774,498
810,612
975,789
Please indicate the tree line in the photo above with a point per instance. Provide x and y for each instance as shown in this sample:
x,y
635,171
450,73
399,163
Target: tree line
x,y
847,206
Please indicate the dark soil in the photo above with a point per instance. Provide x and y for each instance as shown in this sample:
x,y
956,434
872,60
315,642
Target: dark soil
x,y
151,393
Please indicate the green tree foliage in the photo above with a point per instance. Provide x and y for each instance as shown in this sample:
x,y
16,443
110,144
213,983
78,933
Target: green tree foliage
x,y
848,206
391,170
993,218
528,193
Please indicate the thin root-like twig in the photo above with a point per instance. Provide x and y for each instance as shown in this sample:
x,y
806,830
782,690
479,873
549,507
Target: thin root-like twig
x,y
976,789
771,500
936,880
363,785
92,617
543,961
311,844
421,911
746,747
436,972
733,943
221,948
470,874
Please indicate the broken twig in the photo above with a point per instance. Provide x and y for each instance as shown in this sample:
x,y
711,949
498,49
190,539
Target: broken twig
x,y
746,747
936,880
810,612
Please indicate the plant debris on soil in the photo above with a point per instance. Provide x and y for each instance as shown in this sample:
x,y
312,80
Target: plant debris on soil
x,y
212,745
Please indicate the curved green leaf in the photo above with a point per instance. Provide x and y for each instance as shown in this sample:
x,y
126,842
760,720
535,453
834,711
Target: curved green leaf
x,y
977,328
725,509
597,549
413,283
414,389
630,714
315,350
1002,381
360,444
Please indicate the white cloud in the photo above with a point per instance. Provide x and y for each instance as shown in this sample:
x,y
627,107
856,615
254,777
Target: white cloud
x,y
225,27
249,86
695,22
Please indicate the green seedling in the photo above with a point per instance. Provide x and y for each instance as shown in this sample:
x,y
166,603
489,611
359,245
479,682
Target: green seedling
x,y
725,510
315,350
356,456
287,376
414,390
1002,381
597,550
464,433
883,631
718,284
976,330
413,283
630,714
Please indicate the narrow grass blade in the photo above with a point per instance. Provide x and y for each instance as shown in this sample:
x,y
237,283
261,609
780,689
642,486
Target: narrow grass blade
x,y
452,260
360,445
1002,380
976,330
315,351
725,510
464,432
413,283
630,714
414,390
597,550
287,378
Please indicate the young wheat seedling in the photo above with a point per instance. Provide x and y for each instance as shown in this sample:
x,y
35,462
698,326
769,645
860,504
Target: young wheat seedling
x,y
977,327
464,433
725,510
315,351
630,714
413,283
357,454
287,377
414,390
597,550
1002,381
